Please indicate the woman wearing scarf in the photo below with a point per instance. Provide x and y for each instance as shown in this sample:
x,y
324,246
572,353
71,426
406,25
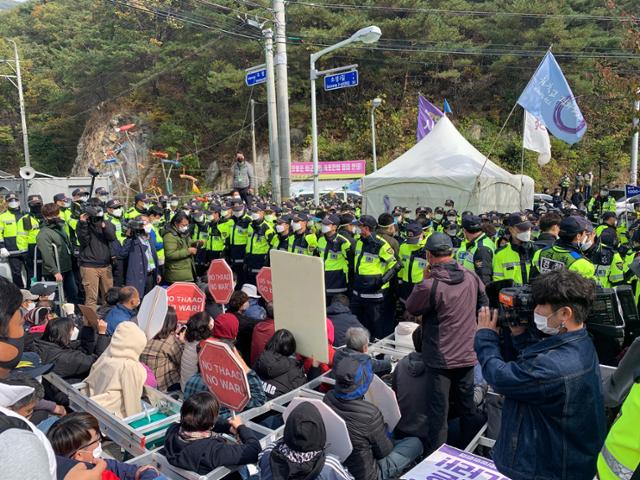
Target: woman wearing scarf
x,y
300,454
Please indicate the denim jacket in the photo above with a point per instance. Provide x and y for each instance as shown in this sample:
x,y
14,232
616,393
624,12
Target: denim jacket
x,y
553,421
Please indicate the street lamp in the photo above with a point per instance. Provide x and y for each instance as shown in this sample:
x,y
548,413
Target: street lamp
x,y
375,103
365,35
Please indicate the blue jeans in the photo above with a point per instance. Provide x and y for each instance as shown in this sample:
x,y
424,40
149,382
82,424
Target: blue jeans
x,y
404,452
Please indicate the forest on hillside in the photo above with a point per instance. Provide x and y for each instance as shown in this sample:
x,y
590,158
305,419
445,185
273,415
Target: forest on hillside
x,y
180,64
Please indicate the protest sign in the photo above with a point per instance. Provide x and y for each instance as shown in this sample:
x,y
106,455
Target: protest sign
x,y
220,281
224,375
264,285
152,312
383,397
186,298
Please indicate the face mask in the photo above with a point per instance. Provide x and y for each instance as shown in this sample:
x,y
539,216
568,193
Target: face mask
x,y
67,204
524,236
75,333
174,203
325,228
226,214
270,218
183,229
397,219
100,214
97,453
452,233
236,197
238,214
30,307
146,206
104,198
117,213
35,209
18,344
542,324
255,217
84,198
13,205
357,231
198,218
296,226
451,219
148,228
604,193
279,228
585,244
187,212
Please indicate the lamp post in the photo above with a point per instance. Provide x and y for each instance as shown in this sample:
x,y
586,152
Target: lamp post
x,y
375,103
634,140
365,35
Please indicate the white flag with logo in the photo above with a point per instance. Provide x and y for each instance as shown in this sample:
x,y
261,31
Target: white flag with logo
x,y
536,138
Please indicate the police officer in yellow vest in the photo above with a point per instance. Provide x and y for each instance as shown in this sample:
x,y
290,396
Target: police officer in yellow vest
x,y
413,258
259,242
140,207
476,250
30,223
608,262
603,202
574,238
374,266
609,220
337,254
303,241
13,245
283,232
200,235
513,261
219,230
237,241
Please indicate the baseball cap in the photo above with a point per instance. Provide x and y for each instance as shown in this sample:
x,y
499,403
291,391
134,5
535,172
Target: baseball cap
x,y
608,215
31,366
368,221
284,219
331,220
519,221
27,295
572,225
238,207
439,242
214,208
250,290
472,223
346,219
413,231
101,190
34,199
11,196
59,197
300,217
79,191
114,203
140,197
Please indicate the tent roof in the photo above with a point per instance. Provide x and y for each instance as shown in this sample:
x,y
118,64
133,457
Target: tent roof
x,y
444,152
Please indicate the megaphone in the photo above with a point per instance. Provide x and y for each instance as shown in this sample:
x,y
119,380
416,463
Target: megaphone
x,y
27,173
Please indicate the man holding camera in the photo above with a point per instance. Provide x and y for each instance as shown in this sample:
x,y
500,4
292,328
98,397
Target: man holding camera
x,y
553,422
95,235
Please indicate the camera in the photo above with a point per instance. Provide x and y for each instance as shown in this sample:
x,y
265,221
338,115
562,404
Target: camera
x,y
135,227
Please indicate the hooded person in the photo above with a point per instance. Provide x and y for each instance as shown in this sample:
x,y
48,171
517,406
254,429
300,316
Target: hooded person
x,y
300,454
117,378
226,326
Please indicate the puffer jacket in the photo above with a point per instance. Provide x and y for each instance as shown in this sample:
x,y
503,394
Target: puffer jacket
x,y
410,382
279,374
343,320
367,433
178,264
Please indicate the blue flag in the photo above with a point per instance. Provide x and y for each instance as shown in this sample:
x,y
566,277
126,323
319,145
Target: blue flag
x,y
446,107
428,115
548,97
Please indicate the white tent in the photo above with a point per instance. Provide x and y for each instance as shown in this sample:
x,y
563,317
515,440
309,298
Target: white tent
x,y
445,165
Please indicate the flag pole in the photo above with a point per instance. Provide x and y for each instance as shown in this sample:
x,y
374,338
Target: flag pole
x,y
524,125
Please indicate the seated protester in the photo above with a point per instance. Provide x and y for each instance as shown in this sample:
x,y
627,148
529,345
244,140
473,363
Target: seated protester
x,y
196,443
553,421
255,311
311,366
72,359
238,305
342,318
27,404
409,382
374,456
199,327
34,323
28,302
117,378
77,438
128,301
111,299
262,333
196,384
164,352
278,369
300,453
357,342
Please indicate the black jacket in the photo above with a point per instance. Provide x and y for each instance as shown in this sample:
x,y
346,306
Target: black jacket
x,y
367,432
95,243
544,240
279,374
380,366
410,384
202,456
343,320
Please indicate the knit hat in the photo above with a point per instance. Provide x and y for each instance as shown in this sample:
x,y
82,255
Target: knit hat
x,y
226,326
354,374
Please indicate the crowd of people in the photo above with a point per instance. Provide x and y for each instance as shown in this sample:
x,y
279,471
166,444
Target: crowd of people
x,y
421,274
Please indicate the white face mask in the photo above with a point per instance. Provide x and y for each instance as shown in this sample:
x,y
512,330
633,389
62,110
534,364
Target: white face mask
x,y
30,307
238,214
117,212
183,229
451,219
279,228
524,236
198,218
542,324
67,204
75,333
325,228
148,227
585,244
187,212
174,203
97,453
13,204
357,231
270,218
255,216
104,198
438,216
296,226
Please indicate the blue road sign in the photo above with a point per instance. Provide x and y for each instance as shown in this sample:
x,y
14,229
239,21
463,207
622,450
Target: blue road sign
x,y
341,80
632,190
256,77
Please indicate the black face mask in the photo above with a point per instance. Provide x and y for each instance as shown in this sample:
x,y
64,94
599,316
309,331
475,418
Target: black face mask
x,y
17,343
35,209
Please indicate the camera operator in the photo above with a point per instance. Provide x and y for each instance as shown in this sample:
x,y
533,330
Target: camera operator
x,y
139,253
95,235
553,421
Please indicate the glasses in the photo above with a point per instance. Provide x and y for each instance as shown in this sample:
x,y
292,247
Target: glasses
x,y
93,442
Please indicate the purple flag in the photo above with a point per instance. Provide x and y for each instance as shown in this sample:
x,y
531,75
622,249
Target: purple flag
x,y
428,115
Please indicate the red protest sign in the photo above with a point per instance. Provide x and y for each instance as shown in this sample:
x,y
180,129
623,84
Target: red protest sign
x,y
224,375
220,281
186,298
263,282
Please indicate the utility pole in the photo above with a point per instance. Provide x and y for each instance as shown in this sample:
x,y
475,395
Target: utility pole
x,y
634,140
253,132
18,85
274,157
282,93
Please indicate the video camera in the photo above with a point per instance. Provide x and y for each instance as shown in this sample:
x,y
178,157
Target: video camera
x,y
133,227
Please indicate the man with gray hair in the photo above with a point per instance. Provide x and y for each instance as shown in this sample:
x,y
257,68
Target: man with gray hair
x,y
357,343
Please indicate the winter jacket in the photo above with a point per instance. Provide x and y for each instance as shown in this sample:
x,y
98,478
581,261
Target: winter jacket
x,y
178,262
70,363
410,384
367,432
48,236
134,252
243,176
245,332
343,320
121,470
204,455
544,240
331,470
117,378
262,333
380,366
255,311
95,243
448,314
116,316
279,374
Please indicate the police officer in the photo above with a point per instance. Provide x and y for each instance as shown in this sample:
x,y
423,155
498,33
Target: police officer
x,y
140,207
171,208
114,215
601,203
337,254
103,196
513,261
218,230
347,228
237,241
10,231
607,260
64,203
30,224
568,251
283,231
303,241
453,232
374,266
609,220
259,241
413,258
387,230
549,229
476,250
400,221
